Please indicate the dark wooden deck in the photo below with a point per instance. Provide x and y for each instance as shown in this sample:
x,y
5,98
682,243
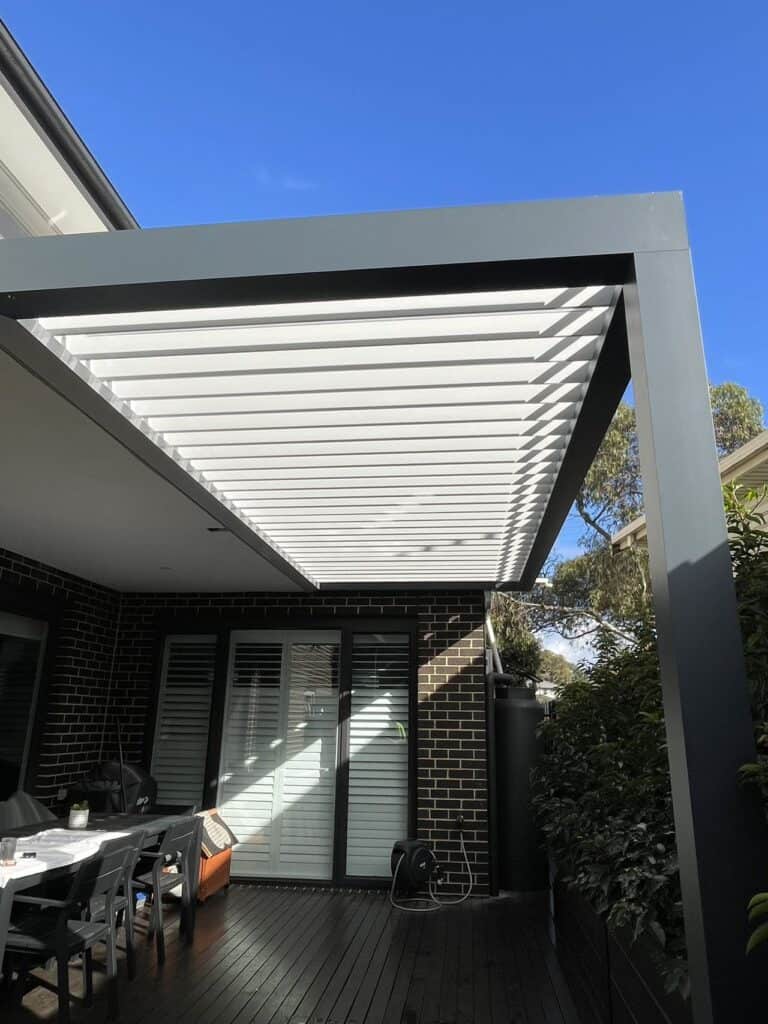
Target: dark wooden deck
x,y
272,955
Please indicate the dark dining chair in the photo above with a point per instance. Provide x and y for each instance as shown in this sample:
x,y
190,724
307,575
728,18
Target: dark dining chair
x,y
175,864
123,903
61,929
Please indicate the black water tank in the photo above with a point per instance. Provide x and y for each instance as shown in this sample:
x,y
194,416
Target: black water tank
x,y
522,861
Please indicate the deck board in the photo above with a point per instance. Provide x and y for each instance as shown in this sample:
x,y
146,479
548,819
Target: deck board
x,y
272,955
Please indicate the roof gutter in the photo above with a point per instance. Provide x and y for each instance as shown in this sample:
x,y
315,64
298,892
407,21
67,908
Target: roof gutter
x,y
56,126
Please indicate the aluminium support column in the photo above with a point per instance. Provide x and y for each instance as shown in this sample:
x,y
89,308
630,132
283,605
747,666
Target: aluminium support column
x,y
721,833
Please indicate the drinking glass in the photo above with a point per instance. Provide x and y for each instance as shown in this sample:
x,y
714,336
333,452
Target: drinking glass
x,y
7,852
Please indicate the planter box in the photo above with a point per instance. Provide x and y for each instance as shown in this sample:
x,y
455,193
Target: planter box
x,y
78,819
214,874
612,980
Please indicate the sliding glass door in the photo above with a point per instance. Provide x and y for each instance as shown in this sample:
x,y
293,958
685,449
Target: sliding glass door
x,y
314,751
277,782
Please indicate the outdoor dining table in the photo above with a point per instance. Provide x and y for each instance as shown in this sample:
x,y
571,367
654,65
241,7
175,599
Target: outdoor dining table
x,y
54,862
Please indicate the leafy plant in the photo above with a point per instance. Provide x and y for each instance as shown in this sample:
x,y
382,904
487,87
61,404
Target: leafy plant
x,y
82,806
758,908
603,798
748,530
602,790
749,551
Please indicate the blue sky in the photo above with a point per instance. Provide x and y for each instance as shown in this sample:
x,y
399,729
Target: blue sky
x,y
235,111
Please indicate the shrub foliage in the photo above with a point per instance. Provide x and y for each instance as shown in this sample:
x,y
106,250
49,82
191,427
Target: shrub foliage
x,y
602,789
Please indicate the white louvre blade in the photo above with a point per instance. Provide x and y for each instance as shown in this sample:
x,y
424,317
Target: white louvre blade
x,y
410,438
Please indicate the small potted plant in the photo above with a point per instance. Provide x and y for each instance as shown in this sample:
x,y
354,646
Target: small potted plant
x,y
78,815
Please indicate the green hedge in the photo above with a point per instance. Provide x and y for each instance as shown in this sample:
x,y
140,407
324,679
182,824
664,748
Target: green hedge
x,y
602,791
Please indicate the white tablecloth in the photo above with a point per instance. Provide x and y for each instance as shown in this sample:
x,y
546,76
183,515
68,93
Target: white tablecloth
x,y
55,848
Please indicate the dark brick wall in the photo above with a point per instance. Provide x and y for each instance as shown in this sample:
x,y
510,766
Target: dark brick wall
x,y
451,721
451,685
79,682
451,771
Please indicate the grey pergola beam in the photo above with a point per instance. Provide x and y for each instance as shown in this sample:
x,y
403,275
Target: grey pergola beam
x,y
215,264
720,826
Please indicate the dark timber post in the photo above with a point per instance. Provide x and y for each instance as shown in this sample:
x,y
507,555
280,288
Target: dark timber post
x,y
721,833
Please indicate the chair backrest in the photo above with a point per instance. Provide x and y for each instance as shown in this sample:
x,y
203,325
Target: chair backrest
x,y
103,873
180,838
134,842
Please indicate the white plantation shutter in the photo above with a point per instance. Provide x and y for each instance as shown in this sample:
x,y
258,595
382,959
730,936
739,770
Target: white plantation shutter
x,y
278,772
183,719
309,767
250,754
378,751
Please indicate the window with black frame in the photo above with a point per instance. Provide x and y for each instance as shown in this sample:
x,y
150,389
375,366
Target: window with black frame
x,y
22,645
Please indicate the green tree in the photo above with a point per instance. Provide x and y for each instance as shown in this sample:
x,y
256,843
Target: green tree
x,y
602,795
738,417
556,668
611,495
519,649
605,590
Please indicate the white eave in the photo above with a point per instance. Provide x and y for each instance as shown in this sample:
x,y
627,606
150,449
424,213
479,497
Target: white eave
x,y
49,181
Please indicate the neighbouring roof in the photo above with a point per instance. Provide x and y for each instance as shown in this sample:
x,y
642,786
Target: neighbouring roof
x,y
747,466
50,182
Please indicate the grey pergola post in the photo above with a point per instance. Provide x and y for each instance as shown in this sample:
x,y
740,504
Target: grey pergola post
x,y
720,828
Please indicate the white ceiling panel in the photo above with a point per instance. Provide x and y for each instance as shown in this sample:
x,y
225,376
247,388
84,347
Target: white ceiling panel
x,y
405,439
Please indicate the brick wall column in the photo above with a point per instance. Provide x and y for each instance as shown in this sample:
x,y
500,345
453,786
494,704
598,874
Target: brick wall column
x,y
452,775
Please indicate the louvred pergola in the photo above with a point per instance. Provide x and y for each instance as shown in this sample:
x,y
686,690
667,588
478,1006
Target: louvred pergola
x,y
411,400
424,432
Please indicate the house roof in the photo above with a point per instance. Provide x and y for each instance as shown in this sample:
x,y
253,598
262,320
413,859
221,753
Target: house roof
x,y
747,466
50,182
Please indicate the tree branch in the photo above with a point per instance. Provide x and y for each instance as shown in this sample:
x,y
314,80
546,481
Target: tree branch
x,y
640,566
557,611
590,521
